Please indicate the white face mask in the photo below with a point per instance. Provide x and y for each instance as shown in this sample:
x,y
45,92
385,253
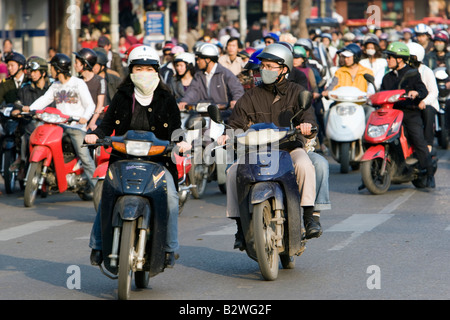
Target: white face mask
x,y
371,52
145,82
269,76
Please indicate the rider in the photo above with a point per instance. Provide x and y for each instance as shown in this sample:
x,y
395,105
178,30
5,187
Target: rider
x,y
184,71
397,55
71,96
84,63
9,87
142,102
276,100
429,105
439,56
373,60
213,82
424,35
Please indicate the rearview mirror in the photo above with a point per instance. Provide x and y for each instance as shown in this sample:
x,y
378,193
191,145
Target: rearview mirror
x,y
304,102
214,113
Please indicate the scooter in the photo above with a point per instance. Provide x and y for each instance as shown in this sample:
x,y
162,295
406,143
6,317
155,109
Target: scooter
x,y
389,158
8,150
208,162
345,126
53,163
134,222
269,201
444,94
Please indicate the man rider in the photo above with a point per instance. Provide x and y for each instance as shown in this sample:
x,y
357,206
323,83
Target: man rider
x,y
276,100
213,82
397,55
10,86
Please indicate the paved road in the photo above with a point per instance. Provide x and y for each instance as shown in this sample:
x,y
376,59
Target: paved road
x,y
394,246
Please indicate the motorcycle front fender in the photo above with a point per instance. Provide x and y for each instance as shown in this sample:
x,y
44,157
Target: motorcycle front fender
x,y
377,151
131,208
263,191
39,153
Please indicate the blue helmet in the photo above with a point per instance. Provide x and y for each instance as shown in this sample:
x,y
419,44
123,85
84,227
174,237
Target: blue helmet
x,y
272,35
253,63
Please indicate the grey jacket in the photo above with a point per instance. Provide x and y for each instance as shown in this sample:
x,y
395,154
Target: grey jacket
x,y
224,87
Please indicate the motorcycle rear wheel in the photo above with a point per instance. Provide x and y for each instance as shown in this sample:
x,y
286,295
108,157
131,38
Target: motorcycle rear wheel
x,y
199,179
31,188
265,246
126,253
373,180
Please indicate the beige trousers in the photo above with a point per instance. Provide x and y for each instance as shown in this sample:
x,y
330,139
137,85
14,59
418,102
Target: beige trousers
x,y
304,172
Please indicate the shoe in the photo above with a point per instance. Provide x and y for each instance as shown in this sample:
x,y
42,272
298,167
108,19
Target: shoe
x,y
313,227
239,241
169,261
96,257
16,165
430,182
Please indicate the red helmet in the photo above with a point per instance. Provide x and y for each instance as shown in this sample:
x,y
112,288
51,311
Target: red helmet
x,y
441,36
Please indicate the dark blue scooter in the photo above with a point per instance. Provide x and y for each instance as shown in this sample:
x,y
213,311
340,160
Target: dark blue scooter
x,y
269,201
134,211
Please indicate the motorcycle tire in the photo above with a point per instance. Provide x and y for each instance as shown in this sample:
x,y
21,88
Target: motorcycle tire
x,y
97,193
126,253
265,246
31,188
287,262
9,177
223,188
370,173
199,179
344,156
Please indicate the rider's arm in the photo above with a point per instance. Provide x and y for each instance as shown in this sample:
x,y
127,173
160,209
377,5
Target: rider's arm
x,y
430,82
86,100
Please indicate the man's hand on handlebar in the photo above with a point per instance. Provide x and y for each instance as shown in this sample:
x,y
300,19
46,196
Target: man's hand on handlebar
x,y
182,105
184,146
90,139
222,139
305,128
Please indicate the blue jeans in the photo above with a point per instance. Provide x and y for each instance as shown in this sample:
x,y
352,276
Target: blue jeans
x,y
95,241
322,184
77,138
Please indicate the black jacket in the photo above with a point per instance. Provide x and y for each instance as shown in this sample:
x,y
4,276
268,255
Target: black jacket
x,y
391,81
163,117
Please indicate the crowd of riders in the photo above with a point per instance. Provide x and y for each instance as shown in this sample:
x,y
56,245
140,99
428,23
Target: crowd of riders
x,y
222,69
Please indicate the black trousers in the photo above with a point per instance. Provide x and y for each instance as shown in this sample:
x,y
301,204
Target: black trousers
x,y
428,116
412,121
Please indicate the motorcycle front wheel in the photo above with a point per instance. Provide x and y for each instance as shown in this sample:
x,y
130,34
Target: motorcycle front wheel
x,y
198,178
97,193
126,254
9,156
31,188
264,232
374,181
443,133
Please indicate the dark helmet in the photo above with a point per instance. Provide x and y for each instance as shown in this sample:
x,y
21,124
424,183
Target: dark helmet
x,y
354,49
36,63
102,58
61,63
88,57
17,57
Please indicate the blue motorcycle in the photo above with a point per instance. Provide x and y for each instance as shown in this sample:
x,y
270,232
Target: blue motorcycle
x,y
269,201
134,211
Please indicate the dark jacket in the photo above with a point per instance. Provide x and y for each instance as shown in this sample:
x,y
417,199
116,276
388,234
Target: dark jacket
x,y
431,60
8,91
269,103
391,81
163,117
224,87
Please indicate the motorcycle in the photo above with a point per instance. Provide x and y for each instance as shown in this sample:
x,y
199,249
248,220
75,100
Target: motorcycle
x,y
389,158
444,94
209,162
269,201
134,224
8,150
53,163
345,126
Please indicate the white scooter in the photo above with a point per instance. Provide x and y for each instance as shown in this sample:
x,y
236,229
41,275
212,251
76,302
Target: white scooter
x,y
345,125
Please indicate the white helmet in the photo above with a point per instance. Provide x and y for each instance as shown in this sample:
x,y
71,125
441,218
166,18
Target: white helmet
x,y
422,28
208,50
144,55
417,50
187,57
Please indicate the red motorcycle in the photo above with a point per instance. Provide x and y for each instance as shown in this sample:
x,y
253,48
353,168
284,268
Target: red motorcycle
x,y
389,158
53,163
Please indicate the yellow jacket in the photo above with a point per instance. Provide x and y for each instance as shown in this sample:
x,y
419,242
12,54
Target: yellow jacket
x,y
345,79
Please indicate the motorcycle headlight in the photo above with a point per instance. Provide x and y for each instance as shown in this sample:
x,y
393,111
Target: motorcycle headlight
x,y
377,131
345,110
138,148
394,98
51,118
